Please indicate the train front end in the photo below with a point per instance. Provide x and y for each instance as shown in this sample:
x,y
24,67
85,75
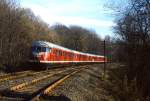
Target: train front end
x,y
39,52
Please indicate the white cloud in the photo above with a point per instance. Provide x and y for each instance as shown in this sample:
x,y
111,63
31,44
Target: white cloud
x,y
51,18
83,21
55,13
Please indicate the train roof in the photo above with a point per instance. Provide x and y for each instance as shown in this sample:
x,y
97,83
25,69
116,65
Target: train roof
x,y
51,45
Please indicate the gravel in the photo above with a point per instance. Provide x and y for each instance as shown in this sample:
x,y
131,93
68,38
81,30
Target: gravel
x,y
83,86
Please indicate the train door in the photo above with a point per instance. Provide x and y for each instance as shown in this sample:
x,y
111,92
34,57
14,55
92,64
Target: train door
x,y
55,58
52,54
75,57
67,56
57,55
71,56
62,55
47,52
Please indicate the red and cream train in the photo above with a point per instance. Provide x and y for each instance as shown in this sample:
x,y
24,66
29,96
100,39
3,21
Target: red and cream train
x,y
46,52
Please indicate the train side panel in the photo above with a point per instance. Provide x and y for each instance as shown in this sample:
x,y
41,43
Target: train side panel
x,y
55,55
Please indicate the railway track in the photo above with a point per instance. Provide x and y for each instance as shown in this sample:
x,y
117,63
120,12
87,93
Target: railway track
x,y
19,79
12,75
34,89
49,88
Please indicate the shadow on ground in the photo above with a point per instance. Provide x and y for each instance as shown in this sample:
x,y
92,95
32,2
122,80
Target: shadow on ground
x,y
26,96
55,98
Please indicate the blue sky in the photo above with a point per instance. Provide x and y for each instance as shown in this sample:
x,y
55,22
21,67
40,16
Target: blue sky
x,y
89,14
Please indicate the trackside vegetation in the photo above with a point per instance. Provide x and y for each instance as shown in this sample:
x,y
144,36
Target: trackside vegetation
x,y
131,80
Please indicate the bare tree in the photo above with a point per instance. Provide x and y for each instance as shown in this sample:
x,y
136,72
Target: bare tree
x,y
18,28
133,29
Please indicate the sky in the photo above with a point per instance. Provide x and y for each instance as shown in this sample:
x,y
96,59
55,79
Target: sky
x,y
90,14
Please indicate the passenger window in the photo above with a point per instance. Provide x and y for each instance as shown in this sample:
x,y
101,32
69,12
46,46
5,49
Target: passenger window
x,y
64,54
55,51
43,49
59,53
72,55
34,49
48,49
38,49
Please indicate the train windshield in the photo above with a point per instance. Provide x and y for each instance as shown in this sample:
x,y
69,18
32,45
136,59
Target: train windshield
x,y
40,49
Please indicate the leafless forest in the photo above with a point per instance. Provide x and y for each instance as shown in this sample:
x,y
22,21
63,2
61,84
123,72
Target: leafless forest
x,y
19,27
131,81
130,47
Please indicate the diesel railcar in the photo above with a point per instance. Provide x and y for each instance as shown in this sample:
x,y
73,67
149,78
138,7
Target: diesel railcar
x,y
49,53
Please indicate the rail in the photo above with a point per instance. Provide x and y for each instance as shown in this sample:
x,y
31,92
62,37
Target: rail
x,y
51,87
